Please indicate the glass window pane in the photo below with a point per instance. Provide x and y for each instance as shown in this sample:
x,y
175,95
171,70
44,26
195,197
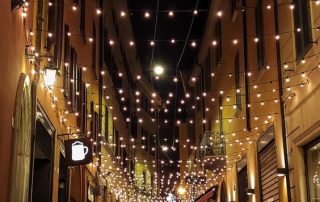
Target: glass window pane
x,y
313,166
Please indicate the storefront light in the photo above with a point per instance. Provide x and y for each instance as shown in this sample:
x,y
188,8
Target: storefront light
x,y
281,172
49,76
250,192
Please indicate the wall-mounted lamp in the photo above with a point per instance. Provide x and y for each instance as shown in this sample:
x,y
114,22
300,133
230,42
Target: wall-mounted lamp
x,y
49,75
250,192
281,172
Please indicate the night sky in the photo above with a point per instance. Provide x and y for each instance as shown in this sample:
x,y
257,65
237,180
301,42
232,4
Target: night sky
x,y
172,56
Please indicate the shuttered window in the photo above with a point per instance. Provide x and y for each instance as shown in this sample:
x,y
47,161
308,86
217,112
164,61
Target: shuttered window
x,y
268,172
302,26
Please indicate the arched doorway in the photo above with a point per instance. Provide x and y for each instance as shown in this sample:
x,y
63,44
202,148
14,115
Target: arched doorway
x,y
21,142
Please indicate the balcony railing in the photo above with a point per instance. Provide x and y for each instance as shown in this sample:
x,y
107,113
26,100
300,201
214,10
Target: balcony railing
x,y
212,144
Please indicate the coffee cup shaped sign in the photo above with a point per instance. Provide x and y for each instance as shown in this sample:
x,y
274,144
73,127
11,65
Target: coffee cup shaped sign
x,y
79,151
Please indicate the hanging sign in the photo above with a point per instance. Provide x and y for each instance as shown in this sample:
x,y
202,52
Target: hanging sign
x,y
78,151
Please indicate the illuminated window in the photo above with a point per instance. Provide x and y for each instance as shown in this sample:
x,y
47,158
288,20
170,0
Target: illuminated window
x,y
312,161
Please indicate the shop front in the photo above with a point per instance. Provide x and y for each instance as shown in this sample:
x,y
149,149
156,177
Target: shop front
x,y
312,166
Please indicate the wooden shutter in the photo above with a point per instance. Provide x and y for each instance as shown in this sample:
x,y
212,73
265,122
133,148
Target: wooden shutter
x,y
268,173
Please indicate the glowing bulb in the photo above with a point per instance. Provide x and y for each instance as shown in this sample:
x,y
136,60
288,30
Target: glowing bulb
x,y
158,70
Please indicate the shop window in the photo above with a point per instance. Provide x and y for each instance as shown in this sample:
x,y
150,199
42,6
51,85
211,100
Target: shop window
x,y
242,180
90,194
259,34
312,164
302,22
237,80
267,167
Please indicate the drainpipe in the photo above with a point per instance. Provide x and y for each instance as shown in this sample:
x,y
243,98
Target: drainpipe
x,y
245,58
281,103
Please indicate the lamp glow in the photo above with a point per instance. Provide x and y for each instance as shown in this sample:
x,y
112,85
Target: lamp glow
x,y
181,190
158,70
49,76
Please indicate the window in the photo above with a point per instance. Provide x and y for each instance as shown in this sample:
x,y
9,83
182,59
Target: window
x,y
83,19
303,38
237,80
134,125
207,72
198,93
144,178
16,3
83,111
55,28
74,85
234,9
106,122
116,142
101,37
220,114
219,42
94,51
312,165
259,35
79,96
67,60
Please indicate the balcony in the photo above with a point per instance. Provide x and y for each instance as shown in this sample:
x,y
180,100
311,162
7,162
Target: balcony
x,y
213,150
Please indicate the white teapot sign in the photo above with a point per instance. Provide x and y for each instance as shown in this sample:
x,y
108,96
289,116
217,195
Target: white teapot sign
x,y
78,151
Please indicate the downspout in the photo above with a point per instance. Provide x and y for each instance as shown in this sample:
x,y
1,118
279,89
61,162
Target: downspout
x,y
245,57
281,103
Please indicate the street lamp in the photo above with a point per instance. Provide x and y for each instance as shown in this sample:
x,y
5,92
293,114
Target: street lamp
x,y
181,190
49,76
158,70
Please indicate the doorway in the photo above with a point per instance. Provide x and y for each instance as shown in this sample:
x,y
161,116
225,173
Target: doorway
x,y
42,167
63,179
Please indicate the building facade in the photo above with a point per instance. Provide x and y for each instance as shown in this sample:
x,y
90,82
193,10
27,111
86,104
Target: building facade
x,y
253,125
71,71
